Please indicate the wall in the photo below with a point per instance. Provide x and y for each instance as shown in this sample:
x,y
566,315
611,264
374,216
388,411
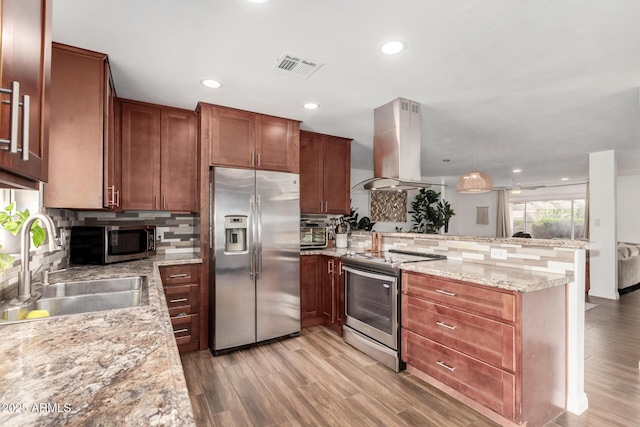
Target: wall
x,y
628,206
463,223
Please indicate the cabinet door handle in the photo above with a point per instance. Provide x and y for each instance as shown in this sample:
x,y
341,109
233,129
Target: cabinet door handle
x,y
449,294
444,365
175,276
117,197
164,201
326,206
14,102
26,107
258,159
330,267
253,157
178,300
444,325
178,331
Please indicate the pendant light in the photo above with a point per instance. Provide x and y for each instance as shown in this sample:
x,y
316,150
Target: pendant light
x,y
515,188
475,181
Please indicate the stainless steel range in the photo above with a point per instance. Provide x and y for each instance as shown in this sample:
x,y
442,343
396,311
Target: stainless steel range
x,y
372,303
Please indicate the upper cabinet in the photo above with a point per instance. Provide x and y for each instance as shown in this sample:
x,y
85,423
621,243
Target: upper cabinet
x,y
159,168
325,174
25,71
84,157
243,139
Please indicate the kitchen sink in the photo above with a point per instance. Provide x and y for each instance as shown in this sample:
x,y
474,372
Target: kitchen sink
x,y
86,296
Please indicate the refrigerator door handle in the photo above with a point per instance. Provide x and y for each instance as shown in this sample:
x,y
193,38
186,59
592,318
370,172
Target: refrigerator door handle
x,y
252,243
259,237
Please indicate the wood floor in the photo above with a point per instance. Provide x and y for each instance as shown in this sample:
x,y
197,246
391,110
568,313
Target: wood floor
x,y
318,380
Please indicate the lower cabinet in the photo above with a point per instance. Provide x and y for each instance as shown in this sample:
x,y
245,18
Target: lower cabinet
x,y
333,295
181,285
322,292
501,352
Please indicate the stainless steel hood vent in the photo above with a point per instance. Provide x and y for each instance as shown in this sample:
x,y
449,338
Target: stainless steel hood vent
x,y
396,148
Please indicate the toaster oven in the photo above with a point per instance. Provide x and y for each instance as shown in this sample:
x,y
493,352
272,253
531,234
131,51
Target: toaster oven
x,y
314,236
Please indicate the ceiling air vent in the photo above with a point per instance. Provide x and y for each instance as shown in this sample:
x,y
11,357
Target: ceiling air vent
x,y
291,65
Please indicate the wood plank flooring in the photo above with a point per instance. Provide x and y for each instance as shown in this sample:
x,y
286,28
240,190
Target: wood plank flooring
x,y
318,380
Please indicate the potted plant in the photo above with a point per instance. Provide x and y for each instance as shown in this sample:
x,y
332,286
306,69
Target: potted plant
x,y
429,213
11,220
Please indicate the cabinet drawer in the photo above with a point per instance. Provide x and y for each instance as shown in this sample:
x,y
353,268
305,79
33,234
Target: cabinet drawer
x,y
182,299
179,274
485,339
486,384
185,328
478,299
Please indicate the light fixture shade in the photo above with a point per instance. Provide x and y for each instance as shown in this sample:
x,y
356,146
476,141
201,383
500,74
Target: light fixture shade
x,y
475,182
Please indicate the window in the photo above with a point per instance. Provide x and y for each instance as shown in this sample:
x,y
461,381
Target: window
x,y
552,219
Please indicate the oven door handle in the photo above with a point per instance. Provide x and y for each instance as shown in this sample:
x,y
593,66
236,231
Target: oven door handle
x,y
369,274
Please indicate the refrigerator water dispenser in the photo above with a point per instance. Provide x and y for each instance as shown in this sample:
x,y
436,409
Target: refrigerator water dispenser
x,y
235,230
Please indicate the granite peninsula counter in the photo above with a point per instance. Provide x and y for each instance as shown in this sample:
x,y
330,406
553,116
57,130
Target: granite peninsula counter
x,y
116,367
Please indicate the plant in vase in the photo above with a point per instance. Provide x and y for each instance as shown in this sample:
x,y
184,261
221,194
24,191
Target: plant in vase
x,y
427,218
12,220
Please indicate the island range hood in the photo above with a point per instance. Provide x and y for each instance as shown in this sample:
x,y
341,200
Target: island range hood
x,y
396,148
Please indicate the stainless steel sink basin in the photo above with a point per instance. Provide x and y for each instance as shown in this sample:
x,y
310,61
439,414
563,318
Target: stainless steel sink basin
x,y
89,287
85,296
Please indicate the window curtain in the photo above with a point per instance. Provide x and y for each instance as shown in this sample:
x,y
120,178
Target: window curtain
x,y
586,214
504,220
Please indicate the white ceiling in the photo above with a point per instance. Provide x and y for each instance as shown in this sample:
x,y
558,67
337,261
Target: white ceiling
x,y
531,84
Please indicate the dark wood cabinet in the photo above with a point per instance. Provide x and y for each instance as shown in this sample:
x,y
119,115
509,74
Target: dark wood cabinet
x,y
333,295
244,139
25,59
82,132
499,351
325,174
312,276
158,158
181,284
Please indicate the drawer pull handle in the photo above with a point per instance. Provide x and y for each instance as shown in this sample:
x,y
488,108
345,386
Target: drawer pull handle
x,y
450,294
178,300
444,365
444,325
178,331
175,276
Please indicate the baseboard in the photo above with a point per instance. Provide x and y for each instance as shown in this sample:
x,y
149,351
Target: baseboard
x,y
577,405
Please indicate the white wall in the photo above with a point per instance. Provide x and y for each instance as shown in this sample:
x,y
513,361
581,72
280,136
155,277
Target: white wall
x,y
463,223
602,225
628,208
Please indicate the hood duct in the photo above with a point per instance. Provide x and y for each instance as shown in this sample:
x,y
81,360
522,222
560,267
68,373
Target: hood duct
x,y
396,148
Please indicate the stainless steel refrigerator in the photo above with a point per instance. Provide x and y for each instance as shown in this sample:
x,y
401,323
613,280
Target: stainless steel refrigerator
x,y
255,271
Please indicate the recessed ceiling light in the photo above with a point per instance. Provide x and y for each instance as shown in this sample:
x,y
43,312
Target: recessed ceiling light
x,y
211,84
392,47
310,106
259,1
564,179
517,170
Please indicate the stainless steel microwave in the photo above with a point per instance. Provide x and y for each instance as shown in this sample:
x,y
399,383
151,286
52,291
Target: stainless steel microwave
x,y
105,244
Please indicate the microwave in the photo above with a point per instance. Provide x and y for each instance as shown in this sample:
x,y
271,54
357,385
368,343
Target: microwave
x,y
313,236
106,244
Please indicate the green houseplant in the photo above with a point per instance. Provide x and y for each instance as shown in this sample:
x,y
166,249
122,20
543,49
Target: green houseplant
x,y
429,213
12,221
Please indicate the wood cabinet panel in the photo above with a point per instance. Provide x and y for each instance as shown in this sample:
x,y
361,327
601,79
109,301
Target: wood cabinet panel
x,y
325,174
140,156
311,287
182,299
82,127
26,59
181,285
159,158
492,387
233,137
477,299
337,175
333,295
489,340
178,170
277,144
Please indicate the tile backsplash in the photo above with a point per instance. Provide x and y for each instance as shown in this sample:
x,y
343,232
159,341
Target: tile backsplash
x,y
179,233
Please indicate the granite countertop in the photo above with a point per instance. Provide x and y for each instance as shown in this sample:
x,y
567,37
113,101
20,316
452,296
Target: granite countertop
x,y
115,367
325,251
514,279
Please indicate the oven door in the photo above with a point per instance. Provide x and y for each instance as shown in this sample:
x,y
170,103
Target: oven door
x,y
371,305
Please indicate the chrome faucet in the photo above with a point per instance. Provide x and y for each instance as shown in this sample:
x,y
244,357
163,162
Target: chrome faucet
x,y
24,277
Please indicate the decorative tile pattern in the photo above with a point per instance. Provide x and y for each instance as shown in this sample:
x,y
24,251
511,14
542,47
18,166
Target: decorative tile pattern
x,y
389,206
